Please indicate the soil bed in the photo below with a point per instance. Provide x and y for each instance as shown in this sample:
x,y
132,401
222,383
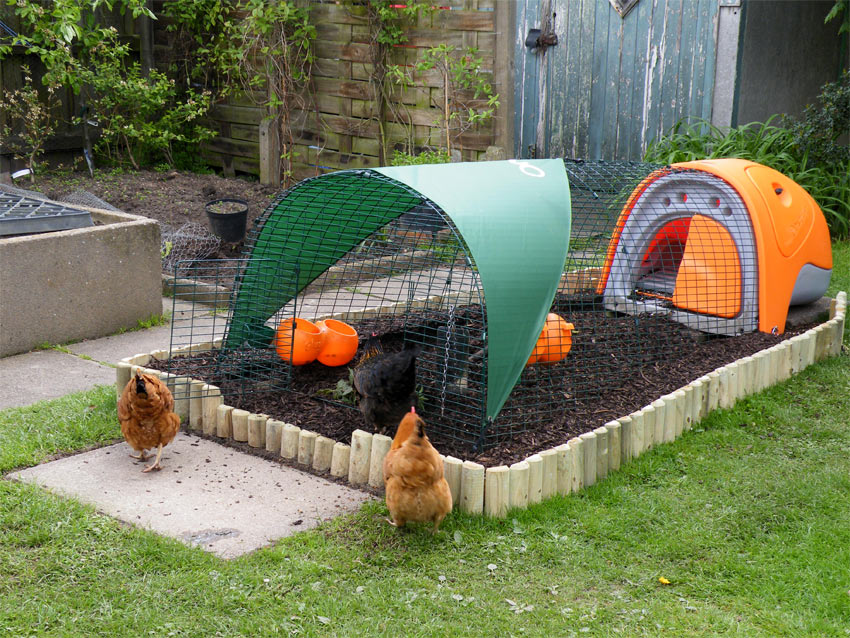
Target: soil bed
x,y
620,394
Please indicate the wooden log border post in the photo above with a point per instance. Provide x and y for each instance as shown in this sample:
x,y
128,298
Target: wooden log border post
x,y
494,491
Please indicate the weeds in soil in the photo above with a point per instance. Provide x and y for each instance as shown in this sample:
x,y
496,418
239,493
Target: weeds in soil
x,y
343,391
153,321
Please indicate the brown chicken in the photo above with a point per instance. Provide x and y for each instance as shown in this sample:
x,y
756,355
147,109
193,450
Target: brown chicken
x,y
413,476
146,414
385,384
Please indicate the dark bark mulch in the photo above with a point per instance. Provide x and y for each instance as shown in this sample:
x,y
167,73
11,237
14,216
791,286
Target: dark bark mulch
x,y
625,385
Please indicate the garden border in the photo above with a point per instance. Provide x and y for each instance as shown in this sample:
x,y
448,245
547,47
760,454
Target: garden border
x,y
578,463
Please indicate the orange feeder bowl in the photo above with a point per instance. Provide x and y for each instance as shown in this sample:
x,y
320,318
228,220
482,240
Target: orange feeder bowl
x,y
340,342
300,345
555,341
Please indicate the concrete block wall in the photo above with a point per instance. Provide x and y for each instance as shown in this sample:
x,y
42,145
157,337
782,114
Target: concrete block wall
x,y
78,284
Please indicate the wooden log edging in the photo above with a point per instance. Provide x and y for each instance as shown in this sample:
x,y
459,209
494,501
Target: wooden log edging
x,y
494,491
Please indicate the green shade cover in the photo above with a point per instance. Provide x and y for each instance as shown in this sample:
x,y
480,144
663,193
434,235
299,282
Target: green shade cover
x,y
515,219
309,228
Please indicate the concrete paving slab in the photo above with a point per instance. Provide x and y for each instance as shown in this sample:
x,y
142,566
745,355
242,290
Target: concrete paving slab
x,y
196,323
47,374
438,281
371,293
817,311
334,301
207,495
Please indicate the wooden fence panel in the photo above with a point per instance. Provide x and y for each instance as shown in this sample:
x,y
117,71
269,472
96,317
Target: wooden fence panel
x,y
339,125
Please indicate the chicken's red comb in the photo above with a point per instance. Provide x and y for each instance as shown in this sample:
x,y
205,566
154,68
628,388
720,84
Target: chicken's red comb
x,y
413,409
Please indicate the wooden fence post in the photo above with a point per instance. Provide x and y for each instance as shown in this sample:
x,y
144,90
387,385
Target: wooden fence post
x,y
269,153
472,488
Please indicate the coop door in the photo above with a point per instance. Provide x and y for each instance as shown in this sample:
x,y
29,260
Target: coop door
x,y
694,264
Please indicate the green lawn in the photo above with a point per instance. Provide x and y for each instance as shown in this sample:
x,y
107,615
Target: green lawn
x,y
747,516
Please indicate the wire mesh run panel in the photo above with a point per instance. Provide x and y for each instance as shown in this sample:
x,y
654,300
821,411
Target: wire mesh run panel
x,y
402,278
684,247
658,257
201,292
353,249
604,346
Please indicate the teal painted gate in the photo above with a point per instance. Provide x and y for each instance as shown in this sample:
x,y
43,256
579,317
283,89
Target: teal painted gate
x,y
611,84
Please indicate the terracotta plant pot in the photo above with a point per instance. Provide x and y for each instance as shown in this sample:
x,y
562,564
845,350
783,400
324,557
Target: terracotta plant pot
x,y
340,343
555,341
303,346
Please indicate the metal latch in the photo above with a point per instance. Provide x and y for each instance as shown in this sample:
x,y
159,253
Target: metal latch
x,y
537,39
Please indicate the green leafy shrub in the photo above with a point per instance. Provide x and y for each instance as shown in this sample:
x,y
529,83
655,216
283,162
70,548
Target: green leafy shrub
x,y
204,31
29,121
263,48
822,132
812,150
141,119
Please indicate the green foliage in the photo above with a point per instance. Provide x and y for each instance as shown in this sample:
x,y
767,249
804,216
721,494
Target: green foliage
x,y
264,48
389,19
388,23
400,158
205,30
812,150
281,35
142,116
840,279
748,547
153,321
75,422
468,98
343,391
63,33
840,6
29,121
821,134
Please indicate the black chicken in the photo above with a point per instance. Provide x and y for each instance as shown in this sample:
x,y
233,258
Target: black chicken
x,y
385,384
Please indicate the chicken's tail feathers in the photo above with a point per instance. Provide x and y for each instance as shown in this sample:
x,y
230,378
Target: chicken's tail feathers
x,y
371,347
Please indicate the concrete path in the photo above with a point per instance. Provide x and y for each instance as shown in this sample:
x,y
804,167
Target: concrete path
x,y
50,374
206,495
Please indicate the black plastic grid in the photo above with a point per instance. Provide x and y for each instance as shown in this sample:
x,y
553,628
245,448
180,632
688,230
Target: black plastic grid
x,y
25,215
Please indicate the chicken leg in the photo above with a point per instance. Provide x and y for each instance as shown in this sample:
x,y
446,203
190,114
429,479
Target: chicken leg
x,y
155,465
141,456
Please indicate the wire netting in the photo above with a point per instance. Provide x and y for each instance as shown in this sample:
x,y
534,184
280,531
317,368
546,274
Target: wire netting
x,y
651,263
191,241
